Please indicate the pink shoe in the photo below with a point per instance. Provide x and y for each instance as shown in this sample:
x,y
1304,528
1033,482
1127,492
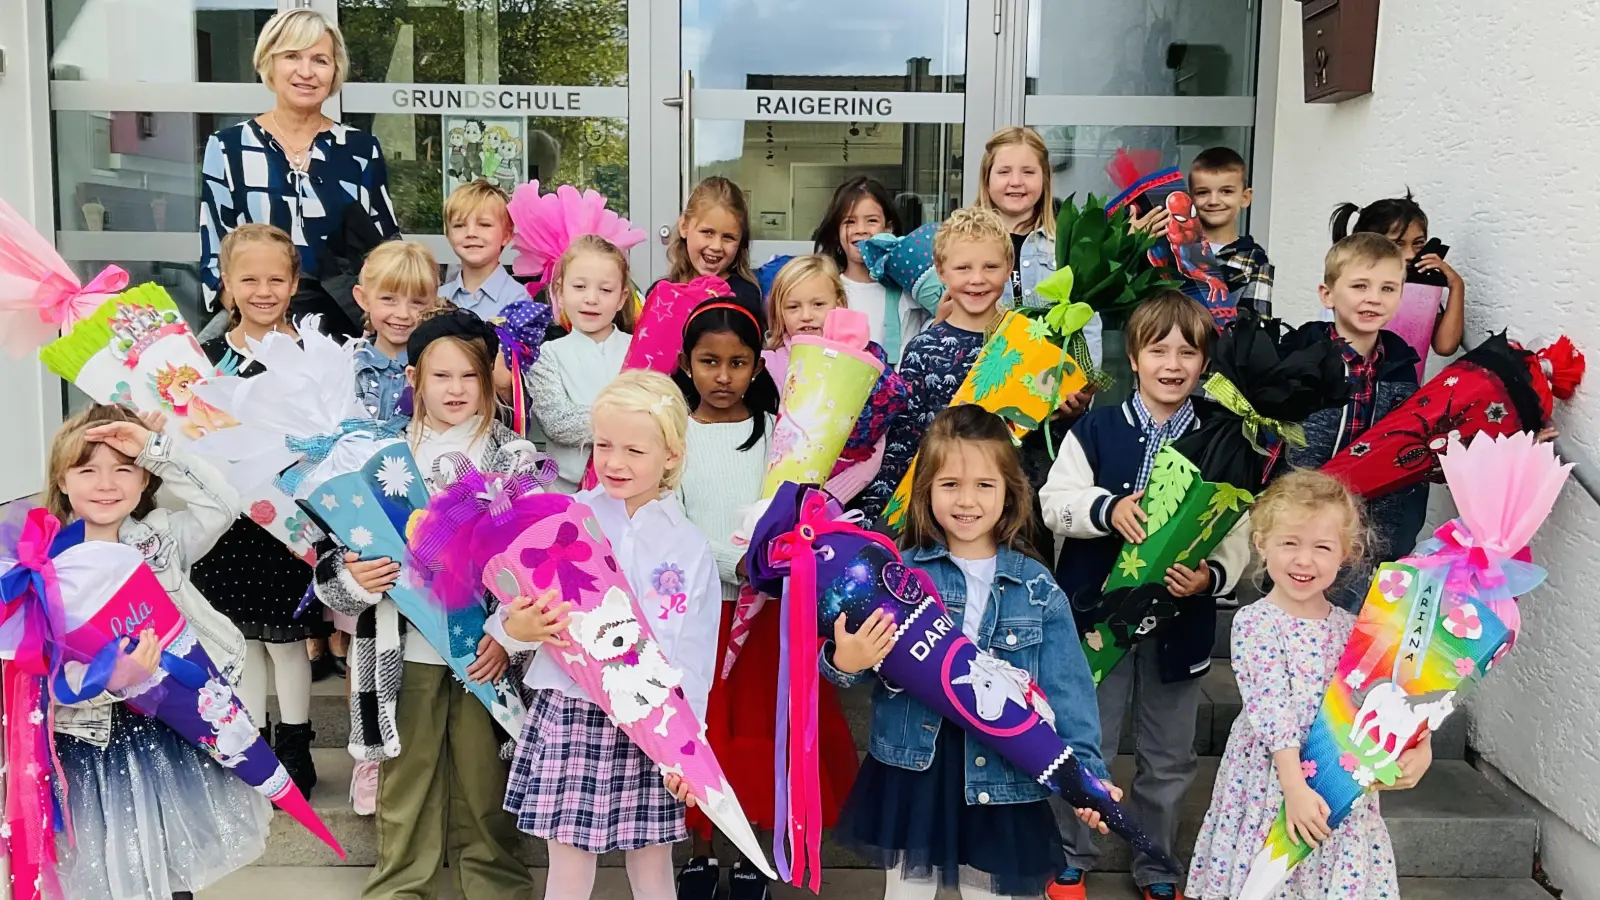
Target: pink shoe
x,y
364,788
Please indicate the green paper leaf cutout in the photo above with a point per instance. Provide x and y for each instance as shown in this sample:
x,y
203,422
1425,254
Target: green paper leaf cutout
x,y
895,509
994,367
1129,562
1038,329
1170,478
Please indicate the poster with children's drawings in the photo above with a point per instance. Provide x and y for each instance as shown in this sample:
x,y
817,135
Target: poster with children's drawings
x,y
494,149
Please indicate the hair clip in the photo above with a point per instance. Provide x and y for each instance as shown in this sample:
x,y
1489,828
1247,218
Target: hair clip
x,y
661,404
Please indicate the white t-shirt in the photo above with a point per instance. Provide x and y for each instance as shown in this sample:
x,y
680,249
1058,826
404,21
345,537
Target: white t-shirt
x,y
871,298
980,575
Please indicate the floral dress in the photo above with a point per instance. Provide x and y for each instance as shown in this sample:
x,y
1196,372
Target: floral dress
x,y
1283,665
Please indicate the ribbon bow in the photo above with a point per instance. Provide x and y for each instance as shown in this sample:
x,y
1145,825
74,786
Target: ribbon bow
x,y
469,497
314,449
1067,318
1474,569
1232,399
63,303
43,620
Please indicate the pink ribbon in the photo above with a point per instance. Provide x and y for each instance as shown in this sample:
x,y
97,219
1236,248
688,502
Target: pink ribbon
x,y
1471,567
64,304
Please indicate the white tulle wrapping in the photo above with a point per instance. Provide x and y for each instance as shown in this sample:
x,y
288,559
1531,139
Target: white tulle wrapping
x,y
308,389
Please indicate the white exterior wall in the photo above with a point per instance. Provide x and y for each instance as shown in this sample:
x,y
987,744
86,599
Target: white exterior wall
x,y
1487,111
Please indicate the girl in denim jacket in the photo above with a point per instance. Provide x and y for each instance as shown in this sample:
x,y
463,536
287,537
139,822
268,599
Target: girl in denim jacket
x,y
932,804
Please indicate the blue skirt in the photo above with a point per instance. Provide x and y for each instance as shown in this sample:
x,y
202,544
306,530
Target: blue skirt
x,y
920,823
153,815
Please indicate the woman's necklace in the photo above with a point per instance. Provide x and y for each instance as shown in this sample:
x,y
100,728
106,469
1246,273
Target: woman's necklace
x,y
301,159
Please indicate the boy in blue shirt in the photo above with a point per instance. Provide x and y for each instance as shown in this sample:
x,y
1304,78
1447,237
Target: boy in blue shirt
x,y
478,225
1092,496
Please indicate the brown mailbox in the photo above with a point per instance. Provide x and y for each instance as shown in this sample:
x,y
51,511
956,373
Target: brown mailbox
x,y
1341,39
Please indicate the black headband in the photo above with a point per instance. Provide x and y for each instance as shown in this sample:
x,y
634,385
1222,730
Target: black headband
x,y
458,323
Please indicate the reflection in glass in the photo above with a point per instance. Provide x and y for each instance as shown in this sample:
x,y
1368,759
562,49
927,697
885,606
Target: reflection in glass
x,y
1162,48
423,158
735,44
577,42
1079,153
115,40
131,171
789,170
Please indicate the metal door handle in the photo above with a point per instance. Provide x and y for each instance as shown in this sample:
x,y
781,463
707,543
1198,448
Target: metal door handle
x,y
684,104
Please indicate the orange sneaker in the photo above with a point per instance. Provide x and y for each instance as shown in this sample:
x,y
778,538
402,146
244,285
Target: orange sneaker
x,y
1069,885
1161,891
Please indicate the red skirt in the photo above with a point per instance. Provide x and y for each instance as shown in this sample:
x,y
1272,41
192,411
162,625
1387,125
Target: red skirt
x,y
741,726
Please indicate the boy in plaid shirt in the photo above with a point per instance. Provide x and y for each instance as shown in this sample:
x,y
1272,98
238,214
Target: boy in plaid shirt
x,y
1362,279
1219,184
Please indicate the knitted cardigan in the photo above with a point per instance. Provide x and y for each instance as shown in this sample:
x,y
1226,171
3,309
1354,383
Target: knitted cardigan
x,y
377,654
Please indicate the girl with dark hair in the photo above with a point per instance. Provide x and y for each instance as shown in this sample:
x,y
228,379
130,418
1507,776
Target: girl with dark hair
x,y
1402,220
733,403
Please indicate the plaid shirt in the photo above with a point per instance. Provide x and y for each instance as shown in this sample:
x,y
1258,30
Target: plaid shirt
x,y
1158,435
1249,274
1363,374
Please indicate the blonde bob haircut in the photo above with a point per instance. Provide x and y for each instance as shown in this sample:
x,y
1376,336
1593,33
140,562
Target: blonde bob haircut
x,y
406,268
794,273
1015,136
655,395
299,29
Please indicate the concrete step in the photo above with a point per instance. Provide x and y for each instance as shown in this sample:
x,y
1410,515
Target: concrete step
x,y
1454,825
1219,706
270,883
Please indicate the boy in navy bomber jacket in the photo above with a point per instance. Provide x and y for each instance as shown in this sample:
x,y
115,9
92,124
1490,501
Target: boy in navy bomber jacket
x,y
1092,495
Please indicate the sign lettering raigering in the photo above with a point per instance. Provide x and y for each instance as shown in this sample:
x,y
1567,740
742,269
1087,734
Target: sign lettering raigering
x,y
861,106
510,99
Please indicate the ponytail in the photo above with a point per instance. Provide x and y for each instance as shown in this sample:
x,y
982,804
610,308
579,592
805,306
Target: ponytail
x,y
1339,222
1392,215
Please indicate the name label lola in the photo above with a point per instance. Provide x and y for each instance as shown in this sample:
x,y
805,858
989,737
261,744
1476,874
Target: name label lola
x,y
542,100
860,106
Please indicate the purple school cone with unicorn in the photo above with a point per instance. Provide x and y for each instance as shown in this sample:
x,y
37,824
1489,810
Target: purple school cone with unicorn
x,y
829,566
498,532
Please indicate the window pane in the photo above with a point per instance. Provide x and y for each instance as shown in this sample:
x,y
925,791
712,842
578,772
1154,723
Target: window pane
x,y
423,156
580,42
1185,48
742,44
114,40
1079,153
789,170
131,171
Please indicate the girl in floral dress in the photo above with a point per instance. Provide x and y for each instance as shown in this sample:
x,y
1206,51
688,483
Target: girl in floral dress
x,y
1285,650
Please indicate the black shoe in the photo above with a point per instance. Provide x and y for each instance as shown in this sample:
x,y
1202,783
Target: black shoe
x,y
325,666
745,882
293,746
698,879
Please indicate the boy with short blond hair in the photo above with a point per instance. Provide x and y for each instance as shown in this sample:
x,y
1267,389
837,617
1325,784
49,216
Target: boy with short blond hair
x,y
1092,499
1363,276
477,222
1219,184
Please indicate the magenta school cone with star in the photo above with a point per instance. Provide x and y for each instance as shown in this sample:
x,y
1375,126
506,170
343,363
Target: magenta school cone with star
x,y
504,535
68,600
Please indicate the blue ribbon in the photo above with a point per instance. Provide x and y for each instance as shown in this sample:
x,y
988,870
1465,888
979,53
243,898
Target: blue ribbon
x,y
314,449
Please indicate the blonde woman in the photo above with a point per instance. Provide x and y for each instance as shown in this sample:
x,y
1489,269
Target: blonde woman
x,y
291,166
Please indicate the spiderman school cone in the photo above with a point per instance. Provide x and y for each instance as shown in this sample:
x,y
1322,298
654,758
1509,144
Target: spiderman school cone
x,y
825,566
136,350
1183,248
1434,624
497,531
1497,389
303,429
70,601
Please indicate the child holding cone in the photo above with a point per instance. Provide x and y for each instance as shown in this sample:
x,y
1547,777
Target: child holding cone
x,y
973,256
1093,495
931,803
1285,650
152,814
577,780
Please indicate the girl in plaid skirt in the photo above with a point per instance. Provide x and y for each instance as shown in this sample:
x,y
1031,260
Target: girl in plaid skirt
x,y
577,781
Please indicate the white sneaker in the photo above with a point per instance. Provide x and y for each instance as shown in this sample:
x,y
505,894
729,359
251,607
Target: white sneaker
x,y
364,788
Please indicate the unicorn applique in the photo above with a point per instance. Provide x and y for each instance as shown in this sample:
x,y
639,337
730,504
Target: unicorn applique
x,y
636,676
1391,717
995,683
234,733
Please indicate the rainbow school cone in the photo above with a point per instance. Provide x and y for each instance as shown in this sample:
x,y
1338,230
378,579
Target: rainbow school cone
x,y
1020,375
1434,624
825,567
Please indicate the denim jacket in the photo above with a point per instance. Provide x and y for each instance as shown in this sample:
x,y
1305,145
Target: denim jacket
x,y
1024,604
1038,262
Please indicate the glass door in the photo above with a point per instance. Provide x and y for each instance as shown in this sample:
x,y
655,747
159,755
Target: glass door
x,y
791,99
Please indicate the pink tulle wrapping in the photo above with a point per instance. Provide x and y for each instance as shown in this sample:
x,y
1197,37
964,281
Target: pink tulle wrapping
x,y
547,224
456,577
39,293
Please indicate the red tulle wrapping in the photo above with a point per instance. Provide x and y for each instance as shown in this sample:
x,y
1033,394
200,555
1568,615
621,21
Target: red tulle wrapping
x,y
1567,366
1127,167
741,727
